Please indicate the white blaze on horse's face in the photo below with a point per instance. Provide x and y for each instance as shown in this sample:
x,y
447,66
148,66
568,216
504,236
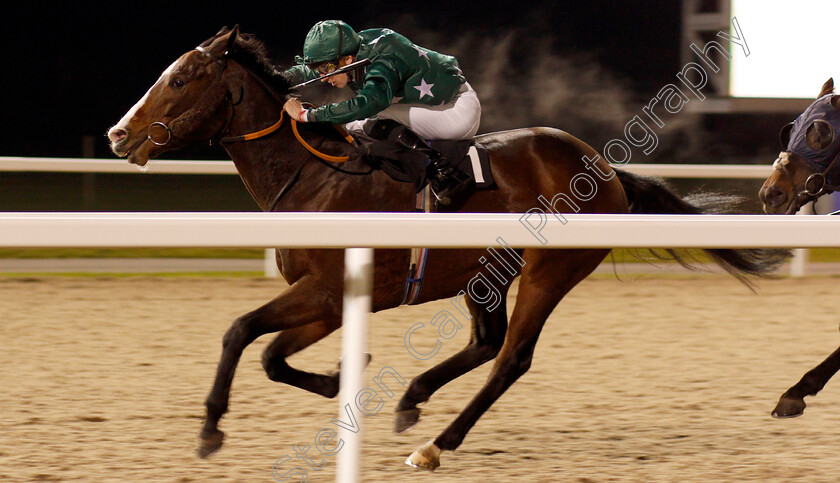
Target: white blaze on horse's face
x,y
127,138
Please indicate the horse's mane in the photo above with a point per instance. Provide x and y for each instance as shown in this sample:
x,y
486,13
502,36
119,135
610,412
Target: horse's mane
x,y
252,53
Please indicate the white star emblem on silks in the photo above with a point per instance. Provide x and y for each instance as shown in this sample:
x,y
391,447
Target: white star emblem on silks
x,y
421,52
425,89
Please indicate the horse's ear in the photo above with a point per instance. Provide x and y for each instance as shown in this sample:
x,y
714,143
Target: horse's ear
x,y
232,38
212,39
223,41
827,88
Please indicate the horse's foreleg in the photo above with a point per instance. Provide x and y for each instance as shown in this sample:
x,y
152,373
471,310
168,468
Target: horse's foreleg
x,y
792,402
304,302
488,334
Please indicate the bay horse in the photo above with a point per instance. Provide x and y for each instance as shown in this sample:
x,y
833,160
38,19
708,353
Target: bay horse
x,y
806,169
226,90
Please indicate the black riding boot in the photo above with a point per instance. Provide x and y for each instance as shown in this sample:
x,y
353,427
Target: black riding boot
x,y
445,180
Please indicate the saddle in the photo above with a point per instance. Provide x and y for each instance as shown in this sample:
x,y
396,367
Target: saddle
x,y
408,165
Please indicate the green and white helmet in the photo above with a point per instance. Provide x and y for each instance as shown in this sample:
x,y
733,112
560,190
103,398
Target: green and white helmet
x,y
329,40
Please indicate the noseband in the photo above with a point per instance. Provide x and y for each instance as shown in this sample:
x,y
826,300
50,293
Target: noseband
x,y
322,157
816,184
170,136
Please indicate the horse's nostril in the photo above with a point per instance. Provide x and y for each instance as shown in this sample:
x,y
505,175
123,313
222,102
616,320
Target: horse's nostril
x,y
116,134
773,196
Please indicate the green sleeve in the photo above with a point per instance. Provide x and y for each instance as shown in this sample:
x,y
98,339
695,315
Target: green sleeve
x,y
381,81
299,73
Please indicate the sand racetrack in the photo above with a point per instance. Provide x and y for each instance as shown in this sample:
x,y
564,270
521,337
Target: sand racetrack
x,y
659,378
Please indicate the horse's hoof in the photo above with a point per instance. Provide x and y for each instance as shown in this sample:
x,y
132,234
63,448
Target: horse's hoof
x,y
405,420
211,443
425,458
789,407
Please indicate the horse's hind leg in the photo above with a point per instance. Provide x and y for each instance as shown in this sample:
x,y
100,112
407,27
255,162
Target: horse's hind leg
x,y
488,334
291,341
545,280
792,402
306,301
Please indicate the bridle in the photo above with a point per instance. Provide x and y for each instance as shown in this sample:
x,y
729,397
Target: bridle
x,y
222,62
219,139
816,184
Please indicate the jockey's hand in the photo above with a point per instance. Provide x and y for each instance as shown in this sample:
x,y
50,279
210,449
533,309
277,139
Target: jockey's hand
x,y
294,109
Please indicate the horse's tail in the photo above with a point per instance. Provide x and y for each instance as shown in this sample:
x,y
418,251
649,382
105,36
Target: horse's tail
x,y
647,195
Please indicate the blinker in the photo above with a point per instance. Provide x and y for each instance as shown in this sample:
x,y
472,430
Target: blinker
x,y
812,136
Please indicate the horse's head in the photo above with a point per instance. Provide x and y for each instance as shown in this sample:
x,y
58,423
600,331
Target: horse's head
x,y
811,147
182,106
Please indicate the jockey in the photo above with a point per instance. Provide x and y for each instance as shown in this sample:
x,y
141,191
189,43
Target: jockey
x,y
424,91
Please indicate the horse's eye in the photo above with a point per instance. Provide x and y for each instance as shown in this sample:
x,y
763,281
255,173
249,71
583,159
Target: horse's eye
x,y
177,83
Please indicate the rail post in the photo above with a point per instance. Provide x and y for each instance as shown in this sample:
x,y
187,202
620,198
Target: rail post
x,y
358,288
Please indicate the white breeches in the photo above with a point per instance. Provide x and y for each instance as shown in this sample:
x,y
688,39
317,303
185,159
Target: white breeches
x,y
457,119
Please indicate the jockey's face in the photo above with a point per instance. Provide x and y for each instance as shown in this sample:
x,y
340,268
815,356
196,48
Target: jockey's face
x,y
340,80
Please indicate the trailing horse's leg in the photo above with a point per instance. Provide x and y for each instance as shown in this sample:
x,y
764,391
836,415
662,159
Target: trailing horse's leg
x,y
792,402
546,278
488,334
291,341
304,302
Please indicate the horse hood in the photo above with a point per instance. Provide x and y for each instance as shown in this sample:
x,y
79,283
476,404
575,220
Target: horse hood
x,y
813,135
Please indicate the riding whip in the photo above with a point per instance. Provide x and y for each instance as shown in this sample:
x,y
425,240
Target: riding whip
x,y
346,68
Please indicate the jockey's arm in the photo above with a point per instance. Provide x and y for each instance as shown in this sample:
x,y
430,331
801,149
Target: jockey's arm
x,y
372,98
299,73
377,92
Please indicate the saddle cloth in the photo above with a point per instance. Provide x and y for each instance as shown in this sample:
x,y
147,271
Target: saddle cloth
x,y
468,156
410,166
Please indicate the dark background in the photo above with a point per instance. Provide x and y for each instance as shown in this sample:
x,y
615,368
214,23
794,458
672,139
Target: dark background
x,y
75,70
584,67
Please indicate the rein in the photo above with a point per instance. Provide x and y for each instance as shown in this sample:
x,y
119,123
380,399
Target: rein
x,y
250,136
816,185
318,154
324,158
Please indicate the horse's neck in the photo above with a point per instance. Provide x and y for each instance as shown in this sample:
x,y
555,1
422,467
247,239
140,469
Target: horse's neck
x,y
263,163
281,175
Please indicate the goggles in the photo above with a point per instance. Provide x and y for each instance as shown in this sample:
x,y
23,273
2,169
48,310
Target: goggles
x,y
326,67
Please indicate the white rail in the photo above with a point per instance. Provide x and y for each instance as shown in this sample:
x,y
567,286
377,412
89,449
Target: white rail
x,y
406,230
87,165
